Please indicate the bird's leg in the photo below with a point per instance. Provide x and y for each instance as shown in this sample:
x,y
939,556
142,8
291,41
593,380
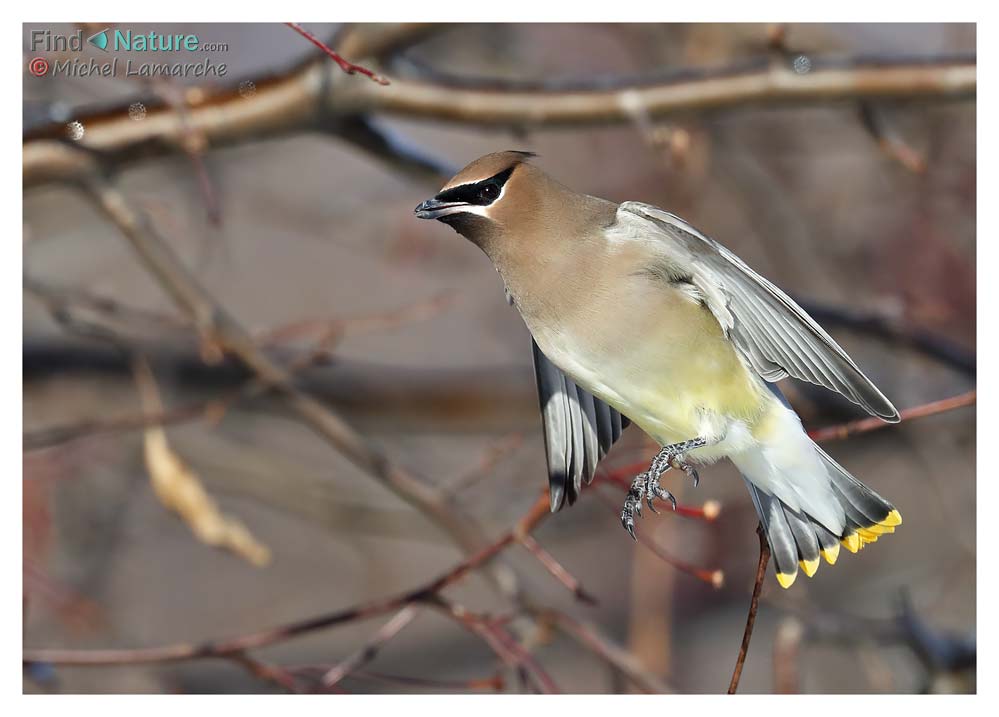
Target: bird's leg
x,y
646,485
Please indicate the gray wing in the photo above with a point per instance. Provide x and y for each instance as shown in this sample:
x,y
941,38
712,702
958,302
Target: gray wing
x,y
772,333
579,430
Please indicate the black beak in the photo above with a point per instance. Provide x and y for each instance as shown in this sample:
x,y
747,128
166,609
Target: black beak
x,y
435,209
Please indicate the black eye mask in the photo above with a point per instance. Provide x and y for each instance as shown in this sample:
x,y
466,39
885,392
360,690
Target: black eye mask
x,y
481,193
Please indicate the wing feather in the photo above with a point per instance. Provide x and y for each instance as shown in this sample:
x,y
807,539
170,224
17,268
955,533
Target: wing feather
x,y
579,430
775,335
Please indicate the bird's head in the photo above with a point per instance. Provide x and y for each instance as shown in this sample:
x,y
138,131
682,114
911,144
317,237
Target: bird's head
x,y
486,198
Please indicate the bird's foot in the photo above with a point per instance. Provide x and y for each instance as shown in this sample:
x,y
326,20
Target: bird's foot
x,y
646,485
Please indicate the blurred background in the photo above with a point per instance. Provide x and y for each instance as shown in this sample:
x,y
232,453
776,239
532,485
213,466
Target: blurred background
x,y
286,189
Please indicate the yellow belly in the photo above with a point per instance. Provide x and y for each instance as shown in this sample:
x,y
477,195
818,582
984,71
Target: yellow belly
x,y
661,359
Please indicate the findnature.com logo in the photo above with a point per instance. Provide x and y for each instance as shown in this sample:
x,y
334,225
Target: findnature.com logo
x,y
121,40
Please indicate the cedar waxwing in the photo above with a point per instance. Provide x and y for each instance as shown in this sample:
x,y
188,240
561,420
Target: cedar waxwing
x,y
638,317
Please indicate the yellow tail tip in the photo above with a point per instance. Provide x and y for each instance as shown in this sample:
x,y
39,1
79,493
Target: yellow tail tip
x,y
786,580
880,529
831,554
867,535
809,566
851,542
894,518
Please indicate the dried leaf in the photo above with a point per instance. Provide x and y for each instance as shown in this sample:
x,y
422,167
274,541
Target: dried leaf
x,y
179,488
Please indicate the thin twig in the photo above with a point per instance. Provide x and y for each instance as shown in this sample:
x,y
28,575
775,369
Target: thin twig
x,y
194,144
370,649
619,658
500,641
555,568
714,578
866,425
754,606
349,67
267,672
50,436
894,147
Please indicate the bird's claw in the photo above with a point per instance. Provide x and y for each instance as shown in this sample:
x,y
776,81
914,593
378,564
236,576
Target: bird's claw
x,y
646,485
680,464
633,505
653,490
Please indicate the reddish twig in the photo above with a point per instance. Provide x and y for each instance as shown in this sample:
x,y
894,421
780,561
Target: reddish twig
x,y
268,673
708,512
754,606
888,140
714,578
511,652
865,425
555,568
349,67
623,476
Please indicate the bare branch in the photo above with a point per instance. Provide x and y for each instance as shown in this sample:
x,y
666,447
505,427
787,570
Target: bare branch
x,y
555,568
500,641
370,649
754,606
294,102
866,425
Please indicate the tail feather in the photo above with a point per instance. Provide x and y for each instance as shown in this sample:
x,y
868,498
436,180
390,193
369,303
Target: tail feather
x,y
828,542
782,544
806,540
834,509
870,506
